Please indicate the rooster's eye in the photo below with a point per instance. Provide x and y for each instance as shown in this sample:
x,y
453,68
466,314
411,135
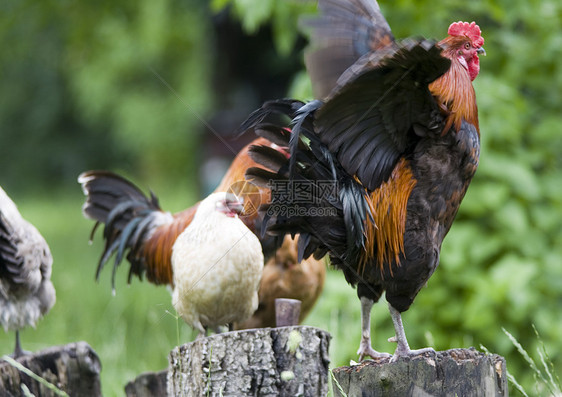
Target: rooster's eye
x,y
467,46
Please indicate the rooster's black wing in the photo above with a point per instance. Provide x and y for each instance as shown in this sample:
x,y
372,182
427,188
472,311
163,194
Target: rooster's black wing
x,y
372,120
376,100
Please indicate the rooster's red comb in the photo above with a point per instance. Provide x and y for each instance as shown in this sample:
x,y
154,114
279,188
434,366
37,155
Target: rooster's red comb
x,y
471,30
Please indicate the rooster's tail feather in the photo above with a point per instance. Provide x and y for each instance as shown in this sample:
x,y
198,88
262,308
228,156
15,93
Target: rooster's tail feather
x,y
129,217
335,209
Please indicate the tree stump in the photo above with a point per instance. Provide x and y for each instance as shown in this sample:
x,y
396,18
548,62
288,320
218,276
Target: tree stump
x,y
456,372
149,384
286,361
73,368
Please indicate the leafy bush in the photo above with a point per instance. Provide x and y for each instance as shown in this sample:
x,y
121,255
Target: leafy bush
x,y
111,83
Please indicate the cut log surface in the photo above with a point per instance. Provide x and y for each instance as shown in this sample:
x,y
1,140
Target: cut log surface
x,y
73,368
455,372
286,361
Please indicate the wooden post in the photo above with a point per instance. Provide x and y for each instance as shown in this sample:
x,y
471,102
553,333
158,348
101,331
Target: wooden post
x,y
73,368
456,372
287,312
287,361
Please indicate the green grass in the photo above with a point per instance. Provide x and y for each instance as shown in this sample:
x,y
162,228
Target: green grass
x,y
133,331
547,381
49,386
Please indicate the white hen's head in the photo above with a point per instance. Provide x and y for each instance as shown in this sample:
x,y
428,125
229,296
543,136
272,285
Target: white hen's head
x,y
222,202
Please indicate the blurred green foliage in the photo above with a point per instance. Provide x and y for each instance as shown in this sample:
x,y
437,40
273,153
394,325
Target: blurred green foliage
x,y
281,16
85,86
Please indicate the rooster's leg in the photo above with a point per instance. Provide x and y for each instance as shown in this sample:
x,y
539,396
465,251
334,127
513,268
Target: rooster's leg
x,y
365,348
202,330
403,349
18,351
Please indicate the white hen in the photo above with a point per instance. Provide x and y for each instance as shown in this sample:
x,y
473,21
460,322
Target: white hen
x,y
26,291
217,265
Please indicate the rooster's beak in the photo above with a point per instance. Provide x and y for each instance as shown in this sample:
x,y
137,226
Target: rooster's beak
x,y
481,51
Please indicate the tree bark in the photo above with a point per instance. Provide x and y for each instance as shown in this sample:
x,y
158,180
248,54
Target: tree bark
x,y
72,368
287,361
456,372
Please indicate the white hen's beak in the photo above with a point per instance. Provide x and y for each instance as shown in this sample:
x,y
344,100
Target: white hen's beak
x,y
236,205
231,205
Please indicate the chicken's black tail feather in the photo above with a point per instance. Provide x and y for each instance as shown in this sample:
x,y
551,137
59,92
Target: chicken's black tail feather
x,y
128,215
311,193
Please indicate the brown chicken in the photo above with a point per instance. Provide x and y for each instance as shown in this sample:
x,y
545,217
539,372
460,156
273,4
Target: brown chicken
x,y
135,226
390,150
285,277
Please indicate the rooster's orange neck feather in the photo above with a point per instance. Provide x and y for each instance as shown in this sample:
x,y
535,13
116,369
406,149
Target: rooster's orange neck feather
x,y
454,91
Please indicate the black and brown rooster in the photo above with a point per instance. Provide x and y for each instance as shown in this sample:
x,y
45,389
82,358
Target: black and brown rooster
x,y
380,163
